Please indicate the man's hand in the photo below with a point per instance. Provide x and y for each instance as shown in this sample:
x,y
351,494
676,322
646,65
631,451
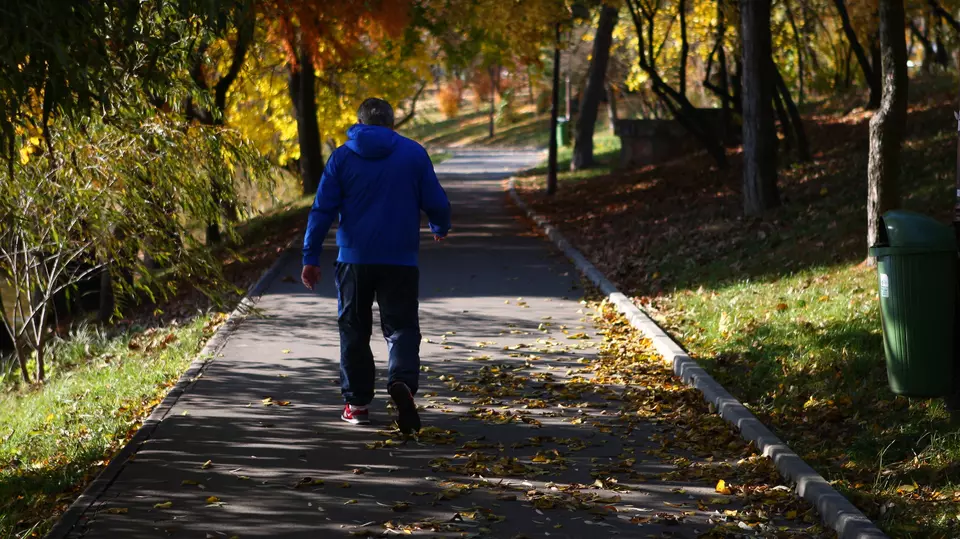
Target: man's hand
x,y
310,276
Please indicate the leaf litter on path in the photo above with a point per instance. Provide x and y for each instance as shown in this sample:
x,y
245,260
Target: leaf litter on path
x,y
716,482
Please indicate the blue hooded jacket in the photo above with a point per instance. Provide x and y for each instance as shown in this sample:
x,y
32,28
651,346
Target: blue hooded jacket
x,y
378,182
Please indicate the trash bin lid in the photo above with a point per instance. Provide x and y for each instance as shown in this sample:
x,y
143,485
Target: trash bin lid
x,y
902,228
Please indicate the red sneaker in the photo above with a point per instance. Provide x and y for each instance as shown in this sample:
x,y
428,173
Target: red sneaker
x,y
408,419
355,415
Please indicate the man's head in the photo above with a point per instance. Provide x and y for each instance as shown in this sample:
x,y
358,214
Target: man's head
x,y
375,111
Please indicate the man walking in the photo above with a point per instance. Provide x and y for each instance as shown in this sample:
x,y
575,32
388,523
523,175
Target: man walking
x,y
378,182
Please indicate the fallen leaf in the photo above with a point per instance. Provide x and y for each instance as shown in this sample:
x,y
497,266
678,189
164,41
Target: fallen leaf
x,y
722,487
163,505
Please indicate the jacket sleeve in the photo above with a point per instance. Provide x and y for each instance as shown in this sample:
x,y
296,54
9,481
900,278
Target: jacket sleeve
x,y
326,208
433,200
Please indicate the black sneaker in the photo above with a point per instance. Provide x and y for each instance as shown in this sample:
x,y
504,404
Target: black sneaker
x,y
408,420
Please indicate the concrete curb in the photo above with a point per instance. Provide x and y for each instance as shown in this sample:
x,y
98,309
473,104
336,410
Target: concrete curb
x,y
75,513
836,511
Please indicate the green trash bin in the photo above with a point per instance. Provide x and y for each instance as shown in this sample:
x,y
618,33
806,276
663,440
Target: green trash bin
x,y
916,264
563,132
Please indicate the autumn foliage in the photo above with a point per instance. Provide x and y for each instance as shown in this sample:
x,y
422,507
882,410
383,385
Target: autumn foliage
x,y
448,99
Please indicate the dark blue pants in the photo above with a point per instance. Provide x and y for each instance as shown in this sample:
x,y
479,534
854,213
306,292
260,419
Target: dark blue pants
x,y
396,289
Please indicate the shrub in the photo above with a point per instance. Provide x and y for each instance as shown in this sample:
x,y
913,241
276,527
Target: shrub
x,y
449,98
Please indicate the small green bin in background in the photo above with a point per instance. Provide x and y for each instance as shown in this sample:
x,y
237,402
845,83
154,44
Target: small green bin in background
x,y
563,132
916,263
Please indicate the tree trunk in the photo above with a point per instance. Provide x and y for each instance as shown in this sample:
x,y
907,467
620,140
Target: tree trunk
x,y
108,302
684,45
22,354
737,81
800,133
798,43
245,32
41,363
887,125
679,106
872,79
8,343
411,113
847,64
554,109
529,87
612,107
781,115
942,57
928,52
759,132
724,82
493,98
303,92
590,101
944,14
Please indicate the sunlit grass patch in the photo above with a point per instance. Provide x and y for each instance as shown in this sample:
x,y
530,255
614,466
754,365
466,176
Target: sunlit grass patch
x,y
56,437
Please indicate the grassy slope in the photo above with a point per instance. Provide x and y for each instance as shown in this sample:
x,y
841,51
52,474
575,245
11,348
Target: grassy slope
x,y
471,127
780,310
55,438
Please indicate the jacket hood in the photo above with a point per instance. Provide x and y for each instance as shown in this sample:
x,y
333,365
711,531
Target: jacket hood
x,y
371,141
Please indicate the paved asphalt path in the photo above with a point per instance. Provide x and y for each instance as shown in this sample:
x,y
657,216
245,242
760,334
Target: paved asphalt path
x,y
224,464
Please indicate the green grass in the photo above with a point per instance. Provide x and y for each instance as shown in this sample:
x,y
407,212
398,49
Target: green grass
x,y
54,438
526,129
804,352
779,309
439,156
606,151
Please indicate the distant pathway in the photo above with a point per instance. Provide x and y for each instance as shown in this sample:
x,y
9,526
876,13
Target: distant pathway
x,y
511,445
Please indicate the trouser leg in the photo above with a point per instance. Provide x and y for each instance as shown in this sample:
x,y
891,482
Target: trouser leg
x,y
397,295
355,293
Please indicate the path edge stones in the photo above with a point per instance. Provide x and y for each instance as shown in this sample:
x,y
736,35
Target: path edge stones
x,y
836,511
75,513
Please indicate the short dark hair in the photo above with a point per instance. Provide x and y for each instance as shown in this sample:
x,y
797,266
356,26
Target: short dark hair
x,y
375,111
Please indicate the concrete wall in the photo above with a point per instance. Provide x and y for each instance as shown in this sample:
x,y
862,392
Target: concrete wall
x,y
647,142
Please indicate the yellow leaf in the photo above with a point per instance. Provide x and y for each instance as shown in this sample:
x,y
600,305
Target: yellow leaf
x,y
213,499
791,515
722,487
285,351
117,510
348,502
903,489
163,505
207,464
